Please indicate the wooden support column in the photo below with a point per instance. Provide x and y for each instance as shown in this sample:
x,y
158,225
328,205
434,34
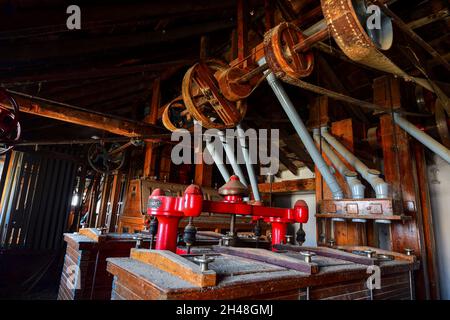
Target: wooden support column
x,y
242,29
401,173
268,14
114,199
91,223
427,220
203,174
152,118
102,215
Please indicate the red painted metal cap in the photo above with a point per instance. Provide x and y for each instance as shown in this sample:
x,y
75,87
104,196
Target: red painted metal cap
x,y
158,192
193,189
192,201
301,211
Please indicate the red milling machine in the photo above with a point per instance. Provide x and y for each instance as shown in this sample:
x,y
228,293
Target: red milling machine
x,y
169,210
233,270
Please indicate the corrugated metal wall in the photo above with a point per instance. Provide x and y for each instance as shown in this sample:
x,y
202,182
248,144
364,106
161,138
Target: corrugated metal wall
x,y
36,197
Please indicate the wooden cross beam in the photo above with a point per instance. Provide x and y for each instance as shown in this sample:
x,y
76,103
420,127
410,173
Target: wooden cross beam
x,y
49,109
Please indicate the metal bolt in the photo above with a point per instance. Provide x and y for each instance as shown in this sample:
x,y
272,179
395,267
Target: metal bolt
x,y
409,252
102,230
308,256
226,240
288,239
138,241
204,261
370,253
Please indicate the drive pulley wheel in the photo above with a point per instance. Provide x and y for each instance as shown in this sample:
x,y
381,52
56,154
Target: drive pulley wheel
x,y
176,116
284,61
204,100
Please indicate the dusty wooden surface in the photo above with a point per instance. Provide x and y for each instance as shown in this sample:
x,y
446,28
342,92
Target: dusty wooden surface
x,y
175,265
244,278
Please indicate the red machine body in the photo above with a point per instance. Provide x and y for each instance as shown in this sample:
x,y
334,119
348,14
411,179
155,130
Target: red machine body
x,y
169,211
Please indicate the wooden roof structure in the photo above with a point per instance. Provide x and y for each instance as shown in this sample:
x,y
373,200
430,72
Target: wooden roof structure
x,y
111,65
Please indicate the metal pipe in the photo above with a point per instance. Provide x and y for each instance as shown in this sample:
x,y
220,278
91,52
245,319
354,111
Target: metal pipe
x,y
423,138
351,177
303,133
316,28
217,160
232,159
372,176
250,170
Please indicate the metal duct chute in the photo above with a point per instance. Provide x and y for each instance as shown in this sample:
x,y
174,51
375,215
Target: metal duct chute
x,y
351,177
217,159
248,164
232,158
372,176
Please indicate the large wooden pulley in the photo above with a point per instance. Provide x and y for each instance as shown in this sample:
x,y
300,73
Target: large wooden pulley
x,y
283,59
205,101
10,129
176,116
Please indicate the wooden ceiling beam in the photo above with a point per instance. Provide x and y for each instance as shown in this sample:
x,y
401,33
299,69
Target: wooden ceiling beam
x,y
49,109
77,47
23,17
109,96
101,88
97,73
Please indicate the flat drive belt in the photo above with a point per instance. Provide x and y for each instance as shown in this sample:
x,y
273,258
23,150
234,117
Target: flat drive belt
x,y
353,40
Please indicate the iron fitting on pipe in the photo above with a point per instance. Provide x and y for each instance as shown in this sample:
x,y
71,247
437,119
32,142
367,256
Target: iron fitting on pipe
x,y
380,187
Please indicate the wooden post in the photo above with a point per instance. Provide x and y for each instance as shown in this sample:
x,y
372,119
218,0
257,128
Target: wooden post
x,y
401,173
93,201
427,220
114,201
152,117
101,221
203,174
268,15
242,29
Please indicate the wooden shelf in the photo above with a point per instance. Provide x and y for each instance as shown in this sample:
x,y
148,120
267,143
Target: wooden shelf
x,y
367,217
